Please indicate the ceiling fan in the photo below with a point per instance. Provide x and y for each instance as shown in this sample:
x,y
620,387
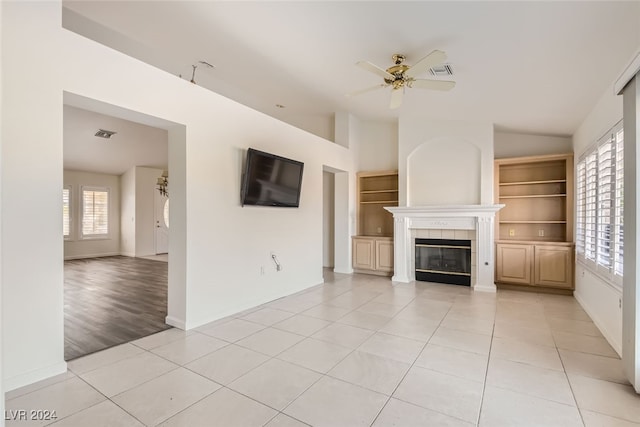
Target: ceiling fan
x,y
400,75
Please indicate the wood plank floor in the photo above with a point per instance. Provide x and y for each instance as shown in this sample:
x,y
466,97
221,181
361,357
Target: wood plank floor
x,y
110,301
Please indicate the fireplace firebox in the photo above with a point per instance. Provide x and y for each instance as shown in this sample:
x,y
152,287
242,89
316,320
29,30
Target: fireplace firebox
x,y
443,261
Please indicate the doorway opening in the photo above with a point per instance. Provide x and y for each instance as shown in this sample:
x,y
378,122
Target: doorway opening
x,y
116,226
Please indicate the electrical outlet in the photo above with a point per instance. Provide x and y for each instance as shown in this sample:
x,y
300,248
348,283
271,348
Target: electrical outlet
x,y
619,302
379,230
262,270
541,233
512,232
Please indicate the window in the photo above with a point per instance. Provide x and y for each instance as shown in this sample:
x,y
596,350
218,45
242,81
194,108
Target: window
x,y
95,212
165,213
599,205
66,212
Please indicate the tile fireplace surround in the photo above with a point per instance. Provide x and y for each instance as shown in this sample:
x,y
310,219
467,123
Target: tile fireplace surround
x,y
448,217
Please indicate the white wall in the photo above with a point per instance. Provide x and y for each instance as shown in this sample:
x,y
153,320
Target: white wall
x,y
599,299
509,144
33,345
128,212
328,218
216,247
379,147
444,171
434,145
630,294
76,247
1,138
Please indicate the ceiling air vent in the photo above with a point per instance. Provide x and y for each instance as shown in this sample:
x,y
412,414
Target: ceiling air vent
x,y
441,70
105,133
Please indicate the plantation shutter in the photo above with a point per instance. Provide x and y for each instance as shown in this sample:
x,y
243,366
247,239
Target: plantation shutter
x,y
619,202
95,212
580,207
66,212
604,203
590,207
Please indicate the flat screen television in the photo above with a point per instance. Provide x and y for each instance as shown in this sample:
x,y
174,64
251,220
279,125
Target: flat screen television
x,y
271,180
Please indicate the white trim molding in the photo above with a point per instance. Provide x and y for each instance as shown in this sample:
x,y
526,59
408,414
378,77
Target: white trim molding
x,y
627,74
457,217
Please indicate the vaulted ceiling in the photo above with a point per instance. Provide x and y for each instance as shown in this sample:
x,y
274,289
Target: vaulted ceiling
x,y
530,67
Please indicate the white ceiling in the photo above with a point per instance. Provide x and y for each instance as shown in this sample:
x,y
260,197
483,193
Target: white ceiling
x,y
530,67
134,144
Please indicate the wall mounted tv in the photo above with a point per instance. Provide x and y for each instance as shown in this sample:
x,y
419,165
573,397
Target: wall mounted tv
x,y
271,180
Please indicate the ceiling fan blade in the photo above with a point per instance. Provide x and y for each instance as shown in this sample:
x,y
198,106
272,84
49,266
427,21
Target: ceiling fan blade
x,y
369,89
432,84
375,69
396,98
434,58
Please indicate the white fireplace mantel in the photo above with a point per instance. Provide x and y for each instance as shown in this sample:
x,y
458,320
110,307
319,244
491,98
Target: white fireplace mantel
x,y
458,217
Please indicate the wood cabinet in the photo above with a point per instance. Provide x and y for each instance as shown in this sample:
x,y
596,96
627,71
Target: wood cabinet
x,y
543,265
384,254
373,255
513,263
534,231
553,266
364,253
373,245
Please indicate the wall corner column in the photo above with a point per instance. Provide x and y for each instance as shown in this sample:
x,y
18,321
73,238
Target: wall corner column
x,y
485,257
630,295
401,261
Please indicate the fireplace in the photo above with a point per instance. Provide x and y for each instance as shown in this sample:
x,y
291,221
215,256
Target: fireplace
x,y
474,222
443,261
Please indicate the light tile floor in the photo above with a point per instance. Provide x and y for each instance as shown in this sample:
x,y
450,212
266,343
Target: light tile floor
x,y
356,351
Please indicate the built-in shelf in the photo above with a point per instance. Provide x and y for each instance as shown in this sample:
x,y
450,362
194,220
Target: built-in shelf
x,y
378,191
373,245
533,196
548,181
374,202
534,230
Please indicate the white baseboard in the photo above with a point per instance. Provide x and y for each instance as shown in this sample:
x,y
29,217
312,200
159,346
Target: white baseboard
x,y
34,376
176,323
66,258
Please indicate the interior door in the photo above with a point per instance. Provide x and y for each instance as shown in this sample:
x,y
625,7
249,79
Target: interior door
x,y
162,223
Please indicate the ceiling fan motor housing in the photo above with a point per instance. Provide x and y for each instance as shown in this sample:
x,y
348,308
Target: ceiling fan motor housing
x,y
397,71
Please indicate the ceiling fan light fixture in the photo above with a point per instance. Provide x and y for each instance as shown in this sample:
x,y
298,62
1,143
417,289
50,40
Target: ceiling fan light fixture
x,y
400,76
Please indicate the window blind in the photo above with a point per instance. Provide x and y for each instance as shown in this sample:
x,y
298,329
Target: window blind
x,y
604,205
619,203
580,207
600,206
95,212
66,212
590,207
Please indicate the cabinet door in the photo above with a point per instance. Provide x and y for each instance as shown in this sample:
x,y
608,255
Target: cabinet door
x,y
384,255
553,266
363,251
513,264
